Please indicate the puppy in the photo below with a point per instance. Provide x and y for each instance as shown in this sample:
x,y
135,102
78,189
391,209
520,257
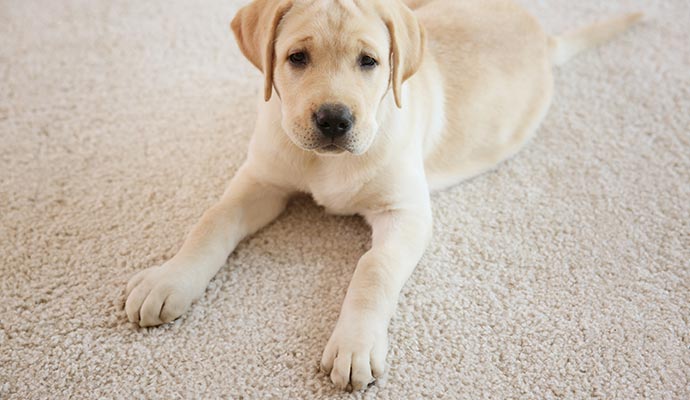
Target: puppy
x,y
369,106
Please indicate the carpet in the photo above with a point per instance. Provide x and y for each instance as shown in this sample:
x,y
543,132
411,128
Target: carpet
x,y
564,273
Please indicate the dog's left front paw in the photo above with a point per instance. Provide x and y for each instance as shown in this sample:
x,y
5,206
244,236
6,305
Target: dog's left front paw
x,y
356,353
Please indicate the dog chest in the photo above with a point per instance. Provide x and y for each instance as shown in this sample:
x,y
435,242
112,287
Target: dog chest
x,y
335,199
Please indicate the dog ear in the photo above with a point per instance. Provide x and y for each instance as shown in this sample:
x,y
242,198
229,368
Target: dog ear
x,y
408,41
255,27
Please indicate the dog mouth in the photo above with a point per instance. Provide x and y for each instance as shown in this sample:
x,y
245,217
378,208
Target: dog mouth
x,y
330,148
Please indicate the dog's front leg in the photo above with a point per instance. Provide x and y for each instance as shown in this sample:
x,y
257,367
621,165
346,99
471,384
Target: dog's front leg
x,y
160,294
356,351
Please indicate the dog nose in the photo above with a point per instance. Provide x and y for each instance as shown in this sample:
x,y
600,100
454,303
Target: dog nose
x,y
333,120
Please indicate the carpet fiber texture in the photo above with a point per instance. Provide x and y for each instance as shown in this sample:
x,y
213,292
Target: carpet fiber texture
x,y
564,273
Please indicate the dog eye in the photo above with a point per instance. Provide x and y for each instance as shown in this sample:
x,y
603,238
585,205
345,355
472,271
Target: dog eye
x,y
298,59
367,62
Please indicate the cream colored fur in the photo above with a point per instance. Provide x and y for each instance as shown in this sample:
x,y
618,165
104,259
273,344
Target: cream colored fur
x,y
460,86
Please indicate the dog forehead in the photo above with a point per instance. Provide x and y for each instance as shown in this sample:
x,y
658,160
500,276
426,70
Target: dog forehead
x,y
333,22
349,6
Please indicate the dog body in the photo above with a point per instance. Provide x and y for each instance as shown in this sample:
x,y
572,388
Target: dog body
x,y
462,115
369,106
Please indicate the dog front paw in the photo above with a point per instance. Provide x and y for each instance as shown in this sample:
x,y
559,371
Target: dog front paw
x,y
158,295
356,352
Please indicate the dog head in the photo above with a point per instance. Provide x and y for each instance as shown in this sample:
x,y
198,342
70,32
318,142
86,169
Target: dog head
x,y
331,63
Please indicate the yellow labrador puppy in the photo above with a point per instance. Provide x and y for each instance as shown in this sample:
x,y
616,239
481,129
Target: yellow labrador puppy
x,y
369,105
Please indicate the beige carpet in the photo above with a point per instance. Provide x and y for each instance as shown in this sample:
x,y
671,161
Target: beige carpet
x,y
563,274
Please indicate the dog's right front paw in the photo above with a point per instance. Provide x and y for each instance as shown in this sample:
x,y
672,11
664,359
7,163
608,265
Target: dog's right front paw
x,y
158,295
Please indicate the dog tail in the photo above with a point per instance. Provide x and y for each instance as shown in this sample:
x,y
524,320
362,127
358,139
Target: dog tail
x,y
567,45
